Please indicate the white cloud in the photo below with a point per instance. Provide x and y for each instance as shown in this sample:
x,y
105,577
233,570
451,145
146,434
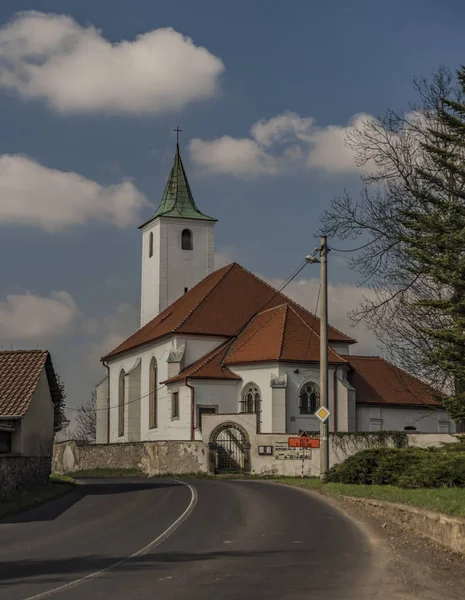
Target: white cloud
x,y
279,144
30,317
33,194
76,69
112,330
342,298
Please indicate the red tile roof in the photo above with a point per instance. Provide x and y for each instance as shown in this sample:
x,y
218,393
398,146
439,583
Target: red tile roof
x,y
208,367
20,371
278,334
378,382
221,305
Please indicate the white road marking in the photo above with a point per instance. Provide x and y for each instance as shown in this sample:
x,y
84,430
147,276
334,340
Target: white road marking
x,y
156,542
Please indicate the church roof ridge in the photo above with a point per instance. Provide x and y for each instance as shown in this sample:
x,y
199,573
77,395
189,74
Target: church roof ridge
x,y
223,304
177,200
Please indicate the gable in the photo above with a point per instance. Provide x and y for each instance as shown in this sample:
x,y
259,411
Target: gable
x,y
20,372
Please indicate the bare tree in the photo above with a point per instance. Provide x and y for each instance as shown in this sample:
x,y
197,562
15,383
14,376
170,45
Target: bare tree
x,y
392,150
86,421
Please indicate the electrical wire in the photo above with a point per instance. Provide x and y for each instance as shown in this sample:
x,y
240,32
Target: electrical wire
x,y
287,282
355,249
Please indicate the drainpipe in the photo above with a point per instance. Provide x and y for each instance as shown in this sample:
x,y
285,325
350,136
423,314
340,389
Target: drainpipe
x,y
335,399
108,400
192,409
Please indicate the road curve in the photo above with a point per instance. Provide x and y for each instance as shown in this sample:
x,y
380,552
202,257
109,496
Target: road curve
x,y
201,539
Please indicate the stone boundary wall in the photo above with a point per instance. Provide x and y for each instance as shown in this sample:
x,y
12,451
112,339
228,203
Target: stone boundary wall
x,y
152,458
446,530
18,473
181,457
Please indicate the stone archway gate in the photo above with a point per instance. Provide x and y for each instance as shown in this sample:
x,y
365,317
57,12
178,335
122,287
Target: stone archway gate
x,y
229,449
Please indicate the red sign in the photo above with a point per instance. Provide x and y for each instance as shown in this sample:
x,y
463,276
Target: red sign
x,y
303,442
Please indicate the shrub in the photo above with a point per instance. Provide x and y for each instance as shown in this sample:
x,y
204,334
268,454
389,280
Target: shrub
x,y
404,467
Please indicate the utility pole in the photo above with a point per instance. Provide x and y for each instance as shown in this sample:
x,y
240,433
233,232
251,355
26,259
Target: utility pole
x,y
324,442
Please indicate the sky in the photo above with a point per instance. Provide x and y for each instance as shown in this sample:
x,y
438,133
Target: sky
x,y
264,93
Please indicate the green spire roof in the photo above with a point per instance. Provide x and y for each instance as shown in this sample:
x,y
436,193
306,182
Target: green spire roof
x,y
177,200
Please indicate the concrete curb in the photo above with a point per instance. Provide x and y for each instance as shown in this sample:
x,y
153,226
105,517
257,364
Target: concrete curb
x,y
443,529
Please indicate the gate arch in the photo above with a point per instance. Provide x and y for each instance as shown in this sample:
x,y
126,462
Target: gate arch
x,y
229,449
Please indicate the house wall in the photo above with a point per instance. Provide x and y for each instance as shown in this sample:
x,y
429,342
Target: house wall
x,y
371,418
37,423
161,285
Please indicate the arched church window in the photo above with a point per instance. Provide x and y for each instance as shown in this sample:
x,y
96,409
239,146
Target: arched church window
x,y
121,403
309,398
186,240
250,401
150,244
153,394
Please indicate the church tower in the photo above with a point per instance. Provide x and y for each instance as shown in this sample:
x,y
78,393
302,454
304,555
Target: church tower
x,y
177,246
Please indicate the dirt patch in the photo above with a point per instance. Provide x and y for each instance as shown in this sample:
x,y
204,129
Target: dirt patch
x,y
408,567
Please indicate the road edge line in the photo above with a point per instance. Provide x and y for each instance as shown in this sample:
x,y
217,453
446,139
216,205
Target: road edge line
x,y
156,542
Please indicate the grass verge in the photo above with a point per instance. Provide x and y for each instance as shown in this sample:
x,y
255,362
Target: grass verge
x,y
31,498
105,473
449,501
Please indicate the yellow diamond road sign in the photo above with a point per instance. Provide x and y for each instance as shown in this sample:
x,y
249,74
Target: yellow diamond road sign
x,y
322,413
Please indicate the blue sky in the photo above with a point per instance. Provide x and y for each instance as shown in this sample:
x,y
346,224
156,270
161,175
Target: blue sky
x,y
327,61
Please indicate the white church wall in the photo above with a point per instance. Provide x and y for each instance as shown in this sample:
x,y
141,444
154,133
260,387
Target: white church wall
x,y
101,404
187,267
150,283
340,348
375,418
261,376
296,421
197,347
222,395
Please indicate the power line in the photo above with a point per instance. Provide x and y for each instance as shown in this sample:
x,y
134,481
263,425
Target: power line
x,y
287,282
356,249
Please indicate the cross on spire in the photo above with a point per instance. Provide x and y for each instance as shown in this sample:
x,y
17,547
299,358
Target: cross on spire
x,y
178,131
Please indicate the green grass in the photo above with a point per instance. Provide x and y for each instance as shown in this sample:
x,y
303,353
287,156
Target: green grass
x,y
105,473
446,500
31,498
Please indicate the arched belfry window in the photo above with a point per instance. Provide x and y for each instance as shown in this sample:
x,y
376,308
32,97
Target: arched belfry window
x,y
121,403
186,240
309,398
153,395
150,244
250,401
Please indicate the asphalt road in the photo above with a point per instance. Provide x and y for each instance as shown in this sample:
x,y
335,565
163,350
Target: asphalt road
x,y
141,539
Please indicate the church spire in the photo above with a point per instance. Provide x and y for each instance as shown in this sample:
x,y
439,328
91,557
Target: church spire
x,y
177,200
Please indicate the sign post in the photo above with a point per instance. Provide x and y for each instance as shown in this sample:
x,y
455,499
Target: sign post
x,y
303,442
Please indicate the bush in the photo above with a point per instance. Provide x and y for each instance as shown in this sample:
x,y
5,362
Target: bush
x,y
404,467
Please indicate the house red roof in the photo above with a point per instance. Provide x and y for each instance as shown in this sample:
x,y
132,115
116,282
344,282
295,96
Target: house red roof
x,y
378,382
208,367
20,371
278,334
221,305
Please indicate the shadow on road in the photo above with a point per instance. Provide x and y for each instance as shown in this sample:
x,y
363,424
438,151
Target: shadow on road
x,y
54,508
59,571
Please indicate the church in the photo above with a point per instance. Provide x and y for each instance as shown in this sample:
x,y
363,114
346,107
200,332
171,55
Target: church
x,y
226,342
